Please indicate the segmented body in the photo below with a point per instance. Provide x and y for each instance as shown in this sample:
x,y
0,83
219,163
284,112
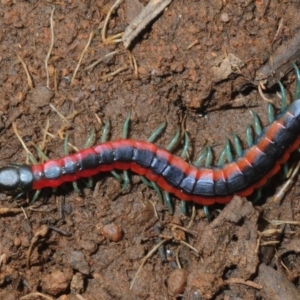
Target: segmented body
x,y
205,186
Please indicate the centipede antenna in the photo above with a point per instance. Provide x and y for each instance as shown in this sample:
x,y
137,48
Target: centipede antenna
x,y
257,124
185,149
237,144
271,113
249,136
125,130
168,202
209,158
174,141
157,131
297,89
105,131
283,97
201,157
228,151
90,139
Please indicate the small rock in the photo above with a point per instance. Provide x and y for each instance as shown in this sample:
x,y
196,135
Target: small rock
x,y
112,232
77,284
177,282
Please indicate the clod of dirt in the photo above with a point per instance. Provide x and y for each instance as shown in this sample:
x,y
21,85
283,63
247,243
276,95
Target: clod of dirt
x,y
79,263
9,295
39,97
204,283
275,285
230,65
177,282
227,247
57,282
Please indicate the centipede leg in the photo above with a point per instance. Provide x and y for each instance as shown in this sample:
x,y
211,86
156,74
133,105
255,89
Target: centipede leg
x,y
249,136
283,97
237,145
66,152
257,124
154,186
154,135
206,153
125,131
207,164
169,148
184,155
34,161
157,132
201,157
297,89
90,140
271,113
104,137
35,196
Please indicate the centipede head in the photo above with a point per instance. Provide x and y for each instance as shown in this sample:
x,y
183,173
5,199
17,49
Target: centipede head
x,y
15,179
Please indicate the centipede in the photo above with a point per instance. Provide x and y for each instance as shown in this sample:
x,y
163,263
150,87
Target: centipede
x,y
202,185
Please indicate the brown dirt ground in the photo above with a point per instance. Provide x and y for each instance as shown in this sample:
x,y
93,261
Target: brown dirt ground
x,y
199,61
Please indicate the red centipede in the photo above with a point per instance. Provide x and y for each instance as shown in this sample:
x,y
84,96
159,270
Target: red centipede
x,y
204,186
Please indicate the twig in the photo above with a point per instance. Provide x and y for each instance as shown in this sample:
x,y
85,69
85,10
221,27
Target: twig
x,y
50,48
262,94
242,281
101,59
81,56
104,28
29,80
60,115
41,233
145,259
36,294
8,210
139,23
115,72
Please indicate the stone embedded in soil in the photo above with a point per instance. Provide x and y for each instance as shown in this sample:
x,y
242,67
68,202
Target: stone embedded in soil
x,y
177,281
77,284
56,282
112,232
79,263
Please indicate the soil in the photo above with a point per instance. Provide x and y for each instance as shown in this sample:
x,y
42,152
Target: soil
x,y
199,64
